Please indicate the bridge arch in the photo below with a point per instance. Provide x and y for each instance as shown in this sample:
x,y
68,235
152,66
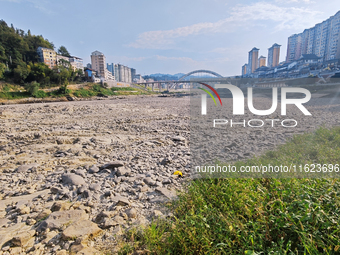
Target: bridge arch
x,y
200,71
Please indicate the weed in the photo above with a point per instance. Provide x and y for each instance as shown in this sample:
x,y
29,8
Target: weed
x,y
256,215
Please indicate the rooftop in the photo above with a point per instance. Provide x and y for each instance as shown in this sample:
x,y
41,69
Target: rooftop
x,y
275,45
96,53
254,49
309,56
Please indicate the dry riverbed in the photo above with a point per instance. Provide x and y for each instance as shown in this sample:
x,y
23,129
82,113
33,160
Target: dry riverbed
x,y
75,175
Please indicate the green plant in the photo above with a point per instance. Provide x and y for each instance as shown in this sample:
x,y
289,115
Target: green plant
x,y
6,88
123,89
40,94
32,88
83,93
63,90
257,215
96,88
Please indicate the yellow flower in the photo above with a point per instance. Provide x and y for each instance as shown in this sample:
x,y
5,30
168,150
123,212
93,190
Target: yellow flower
x,y
178,173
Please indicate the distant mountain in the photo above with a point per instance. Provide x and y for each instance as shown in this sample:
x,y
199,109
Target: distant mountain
x,y
157,75
179,75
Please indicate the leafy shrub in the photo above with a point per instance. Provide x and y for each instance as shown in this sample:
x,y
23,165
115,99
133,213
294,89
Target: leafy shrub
x,y
40,94
63,90
96,88
32,88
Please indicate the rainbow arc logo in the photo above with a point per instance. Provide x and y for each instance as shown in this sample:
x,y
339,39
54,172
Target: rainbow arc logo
x,y
208,92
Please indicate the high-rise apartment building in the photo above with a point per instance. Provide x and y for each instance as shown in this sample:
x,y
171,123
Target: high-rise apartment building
x,y
111,68
116,72
133,73
262,61
244,69
333,42
47,56
323,40
253,60
122,73
76,63
274,55
98,63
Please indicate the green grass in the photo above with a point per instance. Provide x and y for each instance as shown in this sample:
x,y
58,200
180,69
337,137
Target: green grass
x,y
9,91
255,215
97,90
83,93
321,147
123,89
14,95
12,91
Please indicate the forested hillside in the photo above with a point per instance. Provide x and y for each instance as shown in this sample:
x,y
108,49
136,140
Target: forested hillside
x,y
19,61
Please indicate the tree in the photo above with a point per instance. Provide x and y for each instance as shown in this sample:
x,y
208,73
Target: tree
x,y
32,88
21,72
63,51
2,54
40,73
64,76
2,70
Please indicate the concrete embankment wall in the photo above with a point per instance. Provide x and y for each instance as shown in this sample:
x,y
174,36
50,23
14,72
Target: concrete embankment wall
x,y
117,84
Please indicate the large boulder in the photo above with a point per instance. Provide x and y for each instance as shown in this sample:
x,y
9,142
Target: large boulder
x,y
6,234
93,169
25,168
168,193
72,179
113,164
59,218
24,239
61,206
122,171
120,200
79,229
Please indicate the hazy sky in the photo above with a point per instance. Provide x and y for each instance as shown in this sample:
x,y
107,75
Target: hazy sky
x,y
168,36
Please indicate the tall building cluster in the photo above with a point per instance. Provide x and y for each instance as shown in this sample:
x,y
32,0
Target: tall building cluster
x,y
323,40
122,73
255,62
314,49
52,59
274,55
117,72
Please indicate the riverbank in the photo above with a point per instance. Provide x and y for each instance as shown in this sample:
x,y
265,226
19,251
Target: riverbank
x,y
108,165
15,94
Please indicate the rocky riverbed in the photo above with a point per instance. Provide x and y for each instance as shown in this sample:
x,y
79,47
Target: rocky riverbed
x,y
75,175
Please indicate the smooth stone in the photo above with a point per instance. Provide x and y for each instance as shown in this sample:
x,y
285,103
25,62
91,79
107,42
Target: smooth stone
x,y
57,219
73,179
113,164
79,229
